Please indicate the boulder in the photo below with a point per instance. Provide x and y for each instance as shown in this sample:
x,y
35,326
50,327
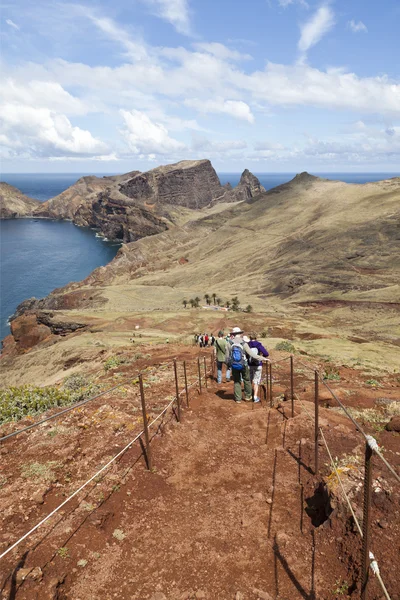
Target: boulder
x,y
394,424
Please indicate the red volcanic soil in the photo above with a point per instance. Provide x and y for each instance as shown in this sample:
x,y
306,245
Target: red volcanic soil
x,y
232,508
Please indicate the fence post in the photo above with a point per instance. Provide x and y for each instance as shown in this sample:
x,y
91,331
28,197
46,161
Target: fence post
x,y
178,402
145,424
365,524
316,430
205,371
292,384
198,365
266,382
186,385
271,401
212,359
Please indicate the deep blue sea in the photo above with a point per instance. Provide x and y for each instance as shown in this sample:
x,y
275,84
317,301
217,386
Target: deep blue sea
x,y
38,256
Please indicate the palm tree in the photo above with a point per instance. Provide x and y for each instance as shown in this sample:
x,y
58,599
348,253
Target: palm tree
x,y
207,298
235,303
218,301
197,301
214,297
192,302
249,308
184,302
227,304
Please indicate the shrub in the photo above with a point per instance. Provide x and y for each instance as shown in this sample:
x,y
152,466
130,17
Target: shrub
x,y
332,376
113,362
19,402
75,382
285,346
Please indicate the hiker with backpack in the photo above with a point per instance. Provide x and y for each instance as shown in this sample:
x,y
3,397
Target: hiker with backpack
x,y
237,355
221,347
255,364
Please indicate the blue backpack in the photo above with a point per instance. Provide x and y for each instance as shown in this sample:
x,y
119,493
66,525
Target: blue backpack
x,y
238,359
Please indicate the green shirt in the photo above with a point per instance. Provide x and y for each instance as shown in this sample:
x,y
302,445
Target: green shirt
x,y
220,345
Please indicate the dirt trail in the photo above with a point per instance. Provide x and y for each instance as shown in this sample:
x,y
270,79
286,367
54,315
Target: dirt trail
x,y
231,511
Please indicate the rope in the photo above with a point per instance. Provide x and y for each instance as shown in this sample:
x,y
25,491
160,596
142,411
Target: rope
x,y
84,484
306,366
375,569
341,484
373,564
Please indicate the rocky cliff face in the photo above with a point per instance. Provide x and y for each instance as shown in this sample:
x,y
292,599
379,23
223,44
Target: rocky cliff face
x,y
14,204
135,205
248,188
190,183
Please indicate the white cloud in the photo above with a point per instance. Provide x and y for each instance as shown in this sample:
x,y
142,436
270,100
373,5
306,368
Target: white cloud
x,y
146,137
135,49
175,12
357,27
41,94
39,132
203,144
233,108
316,27
221,51
286,3
12,24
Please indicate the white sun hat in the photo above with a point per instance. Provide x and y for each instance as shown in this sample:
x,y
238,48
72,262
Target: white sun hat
x,y
237,330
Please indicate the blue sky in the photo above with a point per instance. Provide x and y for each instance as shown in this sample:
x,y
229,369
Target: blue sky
x,y
271,85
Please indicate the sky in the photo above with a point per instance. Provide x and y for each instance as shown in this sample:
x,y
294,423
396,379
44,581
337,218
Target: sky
x,y
269,85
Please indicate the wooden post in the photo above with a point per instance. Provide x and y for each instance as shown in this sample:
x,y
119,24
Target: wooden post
x,y
178,402
205,371
266,382
366,518
198,365
186,385
145,424
292,383
316,424
271,401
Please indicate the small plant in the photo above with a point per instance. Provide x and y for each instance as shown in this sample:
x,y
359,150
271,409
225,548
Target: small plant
x,y
112,363
373,383
332,376
40,471
75,382
342,587
248,308
63,552
82,563
285,346
119,534
264,334
3,481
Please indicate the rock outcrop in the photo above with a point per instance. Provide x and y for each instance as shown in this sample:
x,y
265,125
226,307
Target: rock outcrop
x,y
14,204
248,188
189,183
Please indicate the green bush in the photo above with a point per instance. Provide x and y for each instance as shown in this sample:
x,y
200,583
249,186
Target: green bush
x,y
285,347
332,376
75,382
113,362
19,402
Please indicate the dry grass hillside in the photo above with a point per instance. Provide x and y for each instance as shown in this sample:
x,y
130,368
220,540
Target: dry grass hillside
x,y
319,258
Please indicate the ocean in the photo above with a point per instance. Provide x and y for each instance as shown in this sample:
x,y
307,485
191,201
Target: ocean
x,y
37,256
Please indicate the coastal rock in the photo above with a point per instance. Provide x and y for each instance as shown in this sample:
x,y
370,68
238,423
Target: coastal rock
x,y
14,204
249,187
27,332
189,183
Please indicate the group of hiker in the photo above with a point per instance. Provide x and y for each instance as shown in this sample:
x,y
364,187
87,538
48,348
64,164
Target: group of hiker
x,y
204,340
243,357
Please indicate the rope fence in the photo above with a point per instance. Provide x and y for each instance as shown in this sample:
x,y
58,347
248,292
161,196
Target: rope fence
x,y
371,447
146,427
203,372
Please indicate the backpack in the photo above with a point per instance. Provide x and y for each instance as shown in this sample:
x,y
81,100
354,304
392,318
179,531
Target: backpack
x,y
237,357
253,360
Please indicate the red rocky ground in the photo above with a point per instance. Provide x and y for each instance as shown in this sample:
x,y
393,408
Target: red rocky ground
x,y
231,510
